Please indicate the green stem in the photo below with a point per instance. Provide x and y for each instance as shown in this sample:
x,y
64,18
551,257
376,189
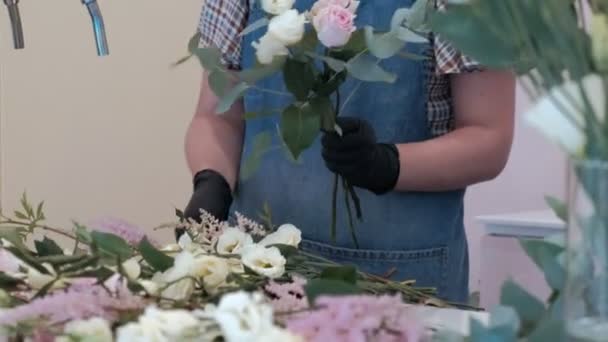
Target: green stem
x,y
351,225
334,208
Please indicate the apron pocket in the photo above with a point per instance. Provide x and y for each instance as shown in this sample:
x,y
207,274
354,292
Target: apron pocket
x,y
428,267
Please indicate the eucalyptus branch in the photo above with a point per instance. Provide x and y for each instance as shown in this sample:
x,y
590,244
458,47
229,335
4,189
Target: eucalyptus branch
x,y
39,226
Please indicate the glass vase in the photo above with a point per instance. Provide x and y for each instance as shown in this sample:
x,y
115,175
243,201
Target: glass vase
x,y
586,286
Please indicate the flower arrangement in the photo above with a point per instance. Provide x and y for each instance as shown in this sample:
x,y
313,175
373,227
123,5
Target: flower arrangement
x,y
559,51
221,281
315,52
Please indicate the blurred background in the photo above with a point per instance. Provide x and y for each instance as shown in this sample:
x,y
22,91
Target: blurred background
x,y
96,136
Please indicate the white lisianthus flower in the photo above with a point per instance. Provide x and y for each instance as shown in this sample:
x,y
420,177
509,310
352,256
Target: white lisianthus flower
x,y
566,127
181,287
288,27
161,325
236,266
277,7
92,330
269,47
264,261
232,241
37,280
213,270
286,234
242,316
131,268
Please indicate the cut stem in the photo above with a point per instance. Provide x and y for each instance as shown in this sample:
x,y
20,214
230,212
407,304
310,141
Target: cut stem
x,y
334,209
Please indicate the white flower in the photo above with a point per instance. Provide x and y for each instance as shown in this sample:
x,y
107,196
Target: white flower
x,y
151,287
9,263
277,7
212,270
278,335
243,316
161,325
268,48
288,27
182,267
236,266
37,280
264,261
286,234
130,267
565,127
92,330
232,241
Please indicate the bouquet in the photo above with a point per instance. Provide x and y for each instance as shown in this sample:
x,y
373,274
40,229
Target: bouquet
x,y
315,51
236,281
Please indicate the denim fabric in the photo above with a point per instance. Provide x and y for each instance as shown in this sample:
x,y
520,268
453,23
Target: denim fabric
x,y
418,235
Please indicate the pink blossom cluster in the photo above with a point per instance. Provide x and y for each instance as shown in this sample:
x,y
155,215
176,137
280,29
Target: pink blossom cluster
x,y
76,302
287,297
358,319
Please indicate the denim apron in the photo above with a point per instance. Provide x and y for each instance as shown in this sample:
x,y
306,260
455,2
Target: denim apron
x,y
409,235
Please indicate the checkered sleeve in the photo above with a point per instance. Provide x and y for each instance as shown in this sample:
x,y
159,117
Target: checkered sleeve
x,y
220,24
448,59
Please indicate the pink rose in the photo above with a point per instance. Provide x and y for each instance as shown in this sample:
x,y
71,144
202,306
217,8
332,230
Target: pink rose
x,y
351,5
334,25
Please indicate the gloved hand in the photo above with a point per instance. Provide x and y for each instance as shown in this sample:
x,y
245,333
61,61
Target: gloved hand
x,y
211,193
359,158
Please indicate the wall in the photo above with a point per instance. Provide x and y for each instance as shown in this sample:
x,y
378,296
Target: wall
x,y
95,136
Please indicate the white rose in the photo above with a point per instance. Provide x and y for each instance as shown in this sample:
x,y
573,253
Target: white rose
x,y
566,129
243,316
183,265
267,48
277,7
232,241
286,234
92,330
212,270
264,261
288,27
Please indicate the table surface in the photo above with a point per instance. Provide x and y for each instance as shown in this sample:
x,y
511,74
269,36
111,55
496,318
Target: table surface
x,y
537,223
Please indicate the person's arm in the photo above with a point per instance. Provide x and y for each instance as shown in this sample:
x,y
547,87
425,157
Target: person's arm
x,y
477,149
215,141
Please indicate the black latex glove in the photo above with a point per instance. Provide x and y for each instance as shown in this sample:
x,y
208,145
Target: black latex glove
x,y
359,158
211,193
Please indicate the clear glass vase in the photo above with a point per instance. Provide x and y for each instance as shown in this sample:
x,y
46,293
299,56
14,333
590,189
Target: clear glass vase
x,y
586,286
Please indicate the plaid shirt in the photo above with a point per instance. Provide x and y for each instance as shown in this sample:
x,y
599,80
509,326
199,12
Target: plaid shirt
x,y
221,21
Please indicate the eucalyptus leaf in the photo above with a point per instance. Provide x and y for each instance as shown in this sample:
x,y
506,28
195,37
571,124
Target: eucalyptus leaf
x,y
320,287
558,206
299,128
549,330
194,41
406,35
261,145
545,256
529,308
299,78
364,68
219,82
209,57
47,247
230,97
112,245
259,72
82,233
382,45
256,25
155,258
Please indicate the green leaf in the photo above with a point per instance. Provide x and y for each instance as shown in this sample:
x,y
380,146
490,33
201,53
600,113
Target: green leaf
x,y
7,281
112,245
323,107
528,307
260,72
545,256
346,274
82,233
327,88
308,43
180,214
194,42
219,82
20,215
333,63
39,211
558,206
299,128
382,45
47,247
258,24
155,258
356,44
230,97
364,68
320,287
261,145
27,206
25,256
299,78
209,57
549,330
